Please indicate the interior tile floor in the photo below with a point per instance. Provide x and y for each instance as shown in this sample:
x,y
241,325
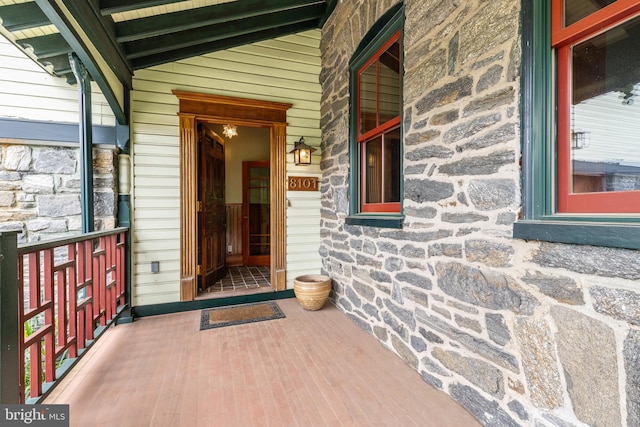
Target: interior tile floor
x,y
242,277
311,368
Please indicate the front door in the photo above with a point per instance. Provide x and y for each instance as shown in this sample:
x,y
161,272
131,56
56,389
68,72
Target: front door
x,y
211,215
256,213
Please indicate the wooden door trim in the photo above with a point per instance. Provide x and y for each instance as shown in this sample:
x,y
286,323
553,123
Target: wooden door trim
x,y
195,107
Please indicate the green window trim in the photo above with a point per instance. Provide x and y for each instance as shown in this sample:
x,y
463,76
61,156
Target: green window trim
x,y
380,32
539,220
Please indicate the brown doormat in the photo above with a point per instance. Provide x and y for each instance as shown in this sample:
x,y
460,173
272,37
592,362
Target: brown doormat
x,y
239,314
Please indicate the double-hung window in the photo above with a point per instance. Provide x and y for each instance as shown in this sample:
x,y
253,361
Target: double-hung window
x,y
376,131
581,122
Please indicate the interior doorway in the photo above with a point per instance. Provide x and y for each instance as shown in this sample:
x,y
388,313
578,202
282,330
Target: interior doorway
x,y
244,211
198,108
256,212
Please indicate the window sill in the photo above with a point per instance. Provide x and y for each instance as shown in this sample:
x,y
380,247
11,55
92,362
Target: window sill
x,y
376,220
609,234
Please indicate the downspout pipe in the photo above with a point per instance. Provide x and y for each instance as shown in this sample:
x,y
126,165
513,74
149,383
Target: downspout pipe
x,y
86,142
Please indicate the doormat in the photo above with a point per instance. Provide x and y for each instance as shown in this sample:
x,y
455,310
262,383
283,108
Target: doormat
x,y
239,314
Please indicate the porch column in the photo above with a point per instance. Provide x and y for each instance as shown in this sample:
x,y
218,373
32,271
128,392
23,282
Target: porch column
x,y
124,220
86,142
9,327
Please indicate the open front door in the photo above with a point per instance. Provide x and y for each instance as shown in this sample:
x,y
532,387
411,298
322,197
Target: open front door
x,y
211,215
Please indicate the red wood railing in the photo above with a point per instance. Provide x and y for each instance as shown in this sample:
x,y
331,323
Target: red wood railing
x,y
69,291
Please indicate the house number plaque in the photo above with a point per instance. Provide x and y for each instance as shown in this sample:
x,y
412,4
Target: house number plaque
x,y
302,183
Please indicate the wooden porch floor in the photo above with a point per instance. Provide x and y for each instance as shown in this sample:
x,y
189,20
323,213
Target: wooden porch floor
x,y
308,369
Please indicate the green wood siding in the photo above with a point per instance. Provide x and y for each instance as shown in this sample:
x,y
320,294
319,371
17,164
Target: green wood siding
x,y
281,70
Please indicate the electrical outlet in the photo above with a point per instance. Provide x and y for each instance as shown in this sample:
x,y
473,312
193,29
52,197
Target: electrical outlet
x,y
229,249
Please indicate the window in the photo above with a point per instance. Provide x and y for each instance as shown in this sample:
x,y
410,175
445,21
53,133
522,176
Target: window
x,y
597,45
376,131
580,115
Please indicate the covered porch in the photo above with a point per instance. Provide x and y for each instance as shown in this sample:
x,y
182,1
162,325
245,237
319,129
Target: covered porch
x,y
308,369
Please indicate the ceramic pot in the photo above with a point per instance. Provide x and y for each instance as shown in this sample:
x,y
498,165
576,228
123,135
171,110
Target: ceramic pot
x,y
312,290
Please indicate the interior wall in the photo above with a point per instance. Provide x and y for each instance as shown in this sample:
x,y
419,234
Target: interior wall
x,y
250,144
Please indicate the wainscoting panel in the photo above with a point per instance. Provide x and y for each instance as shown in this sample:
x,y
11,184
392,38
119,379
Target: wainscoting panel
x,y
234,233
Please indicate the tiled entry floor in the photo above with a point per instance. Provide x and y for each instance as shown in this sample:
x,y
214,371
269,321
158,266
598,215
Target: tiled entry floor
x,y
241,278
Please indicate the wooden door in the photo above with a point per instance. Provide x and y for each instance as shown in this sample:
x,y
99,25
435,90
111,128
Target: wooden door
x,y
211,215
256,213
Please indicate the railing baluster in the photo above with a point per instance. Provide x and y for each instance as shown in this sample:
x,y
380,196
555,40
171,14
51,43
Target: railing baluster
x,y
49,317
68,298
73,299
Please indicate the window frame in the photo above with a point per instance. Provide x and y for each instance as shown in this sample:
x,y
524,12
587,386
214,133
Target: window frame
x,y
539,219
382,34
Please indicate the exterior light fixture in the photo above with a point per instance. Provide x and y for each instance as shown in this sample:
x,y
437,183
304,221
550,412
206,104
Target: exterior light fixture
x,y
229,131
302,153
580,140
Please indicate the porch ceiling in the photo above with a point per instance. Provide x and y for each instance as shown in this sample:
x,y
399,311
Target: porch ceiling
x,y
135,34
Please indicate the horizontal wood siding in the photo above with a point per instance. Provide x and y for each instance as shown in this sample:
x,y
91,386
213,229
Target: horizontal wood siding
x,y
29,92
281,70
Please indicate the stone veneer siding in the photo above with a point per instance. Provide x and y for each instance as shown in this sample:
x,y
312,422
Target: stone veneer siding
x,y
40,190
520,333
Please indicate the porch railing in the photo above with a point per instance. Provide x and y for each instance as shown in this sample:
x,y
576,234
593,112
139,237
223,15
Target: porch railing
x,y
68,292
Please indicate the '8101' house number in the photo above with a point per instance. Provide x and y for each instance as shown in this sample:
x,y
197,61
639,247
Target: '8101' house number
x,y
302,183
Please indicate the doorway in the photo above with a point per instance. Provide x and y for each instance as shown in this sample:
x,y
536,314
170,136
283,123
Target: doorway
x,y
256,212
244,211
204,108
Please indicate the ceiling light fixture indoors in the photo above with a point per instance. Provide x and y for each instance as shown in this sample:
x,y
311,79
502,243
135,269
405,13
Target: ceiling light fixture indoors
x,y
229,131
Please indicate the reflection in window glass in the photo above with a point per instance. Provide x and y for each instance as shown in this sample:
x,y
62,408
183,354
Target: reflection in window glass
x,y
605,111
389,83
373,170
368,99
575,10
392,166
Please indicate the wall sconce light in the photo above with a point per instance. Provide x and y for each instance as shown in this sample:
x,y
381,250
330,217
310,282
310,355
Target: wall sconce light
x,y
580,140
302,153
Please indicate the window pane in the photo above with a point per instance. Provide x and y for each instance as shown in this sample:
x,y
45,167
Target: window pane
x,y
373,170
368,98
575,10
605,112
389,83
391,176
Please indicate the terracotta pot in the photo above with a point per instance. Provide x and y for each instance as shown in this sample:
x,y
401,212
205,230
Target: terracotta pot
x,y
312,290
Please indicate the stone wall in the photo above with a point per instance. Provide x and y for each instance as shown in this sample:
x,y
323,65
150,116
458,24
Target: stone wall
x,y
520,333
40,191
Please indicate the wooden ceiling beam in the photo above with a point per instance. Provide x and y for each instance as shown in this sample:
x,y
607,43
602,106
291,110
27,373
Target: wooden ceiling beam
x,y
215,33
109,7
152,26
214,46
46,46
22,16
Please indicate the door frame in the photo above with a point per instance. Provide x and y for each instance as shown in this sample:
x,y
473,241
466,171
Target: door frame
x,y
199,107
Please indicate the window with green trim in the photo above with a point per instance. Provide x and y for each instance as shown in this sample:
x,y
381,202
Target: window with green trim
x,y
580,122
376,126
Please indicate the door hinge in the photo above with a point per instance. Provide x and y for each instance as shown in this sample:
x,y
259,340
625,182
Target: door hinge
x,y
198,270
199,206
